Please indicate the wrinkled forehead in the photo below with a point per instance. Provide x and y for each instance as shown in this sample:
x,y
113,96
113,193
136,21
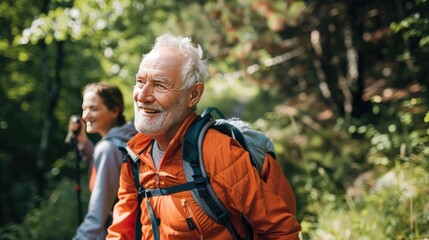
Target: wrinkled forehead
x,y
161,59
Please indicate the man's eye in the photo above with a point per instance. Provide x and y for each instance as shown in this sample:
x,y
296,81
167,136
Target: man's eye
x,y
140,84
160,86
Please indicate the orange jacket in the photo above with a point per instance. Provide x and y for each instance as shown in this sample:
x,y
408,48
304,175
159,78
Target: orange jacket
x,y
232,177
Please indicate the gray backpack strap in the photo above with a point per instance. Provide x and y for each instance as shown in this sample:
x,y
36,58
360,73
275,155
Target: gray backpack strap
x,y
194,169
117,142
129,155
133,156
189,177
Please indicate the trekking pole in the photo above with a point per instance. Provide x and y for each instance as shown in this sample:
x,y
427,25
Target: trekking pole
x,y
72,137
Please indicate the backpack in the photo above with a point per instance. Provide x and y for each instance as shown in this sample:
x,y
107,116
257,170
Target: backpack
x,y
255,142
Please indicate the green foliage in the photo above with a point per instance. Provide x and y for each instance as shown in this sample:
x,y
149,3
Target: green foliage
x,y
286,66
415,25
52,218
358,178
395,207
387,202
230,94
426,119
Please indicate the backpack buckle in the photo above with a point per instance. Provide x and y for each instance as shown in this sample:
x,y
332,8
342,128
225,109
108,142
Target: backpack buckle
x,y
142,192
125,158
200,184
223,218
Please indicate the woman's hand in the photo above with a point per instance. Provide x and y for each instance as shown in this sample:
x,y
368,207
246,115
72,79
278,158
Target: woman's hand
x,y
77,129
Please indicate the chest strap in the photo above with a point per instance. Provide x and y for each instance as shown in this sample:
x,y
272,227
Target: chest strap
x,y
147,193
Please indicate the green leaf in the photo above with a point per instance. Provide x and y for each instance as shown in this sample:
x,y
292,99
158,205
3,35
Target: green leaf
x,y
427,117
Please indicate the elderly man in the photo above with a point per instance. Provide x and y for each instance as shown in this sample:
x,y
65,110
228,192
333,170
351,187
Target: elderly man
x,y
169,84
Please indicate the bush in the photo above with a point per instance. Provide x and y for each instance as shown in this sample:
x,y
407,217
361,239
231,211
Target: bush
x,y
54,218
395,207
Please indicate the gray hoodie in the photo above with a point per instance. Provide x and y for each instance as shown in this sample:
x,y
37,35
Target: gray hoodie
x,y
107,160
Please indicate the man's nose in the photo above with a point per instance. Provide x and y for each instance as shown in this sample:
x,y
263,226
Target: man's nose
x,y
145,93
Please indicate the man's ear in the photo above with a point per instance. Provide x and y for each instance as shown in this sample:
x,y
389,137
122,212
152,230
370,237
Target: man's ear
x,y
195,94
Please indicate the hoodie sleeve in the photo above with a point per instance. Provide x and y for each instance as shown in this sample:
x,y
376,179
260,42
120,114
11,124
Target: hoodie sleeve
x,y
107,160
86,150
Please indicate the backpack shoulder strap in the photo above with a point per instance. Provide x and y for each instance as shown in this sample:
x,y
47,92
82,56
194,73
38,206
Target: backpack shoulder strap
x,y
194,170
134,161
117,142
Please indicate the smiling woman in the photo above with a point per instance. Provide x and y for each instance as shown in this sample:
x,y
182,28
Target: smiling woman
x,y
102,111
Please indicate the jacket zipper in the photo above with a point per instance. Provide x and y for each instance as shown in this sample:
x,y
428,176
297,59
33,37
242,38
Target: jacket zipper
x,y
192,225
157,179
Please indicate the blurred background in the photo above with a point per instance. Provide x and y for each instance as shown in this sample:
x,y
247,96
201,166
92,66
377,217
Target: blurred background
x,y
340,86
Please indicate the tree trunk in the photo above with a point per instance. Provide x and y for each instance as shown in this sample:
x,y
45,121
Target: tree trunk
x,y
329,61
40,161
360,107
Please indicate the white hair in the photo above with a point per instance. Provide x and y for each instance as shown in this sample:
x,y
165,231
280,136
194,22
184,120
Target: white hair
x,y
195,68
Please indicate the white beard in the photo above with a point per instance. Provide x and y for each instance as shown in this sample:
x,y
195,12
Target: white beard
x,y
164,121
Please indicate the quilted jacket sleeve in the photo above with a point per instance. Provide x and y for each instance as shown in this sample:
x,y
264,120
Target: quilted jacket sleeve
x,y
238,184
125,210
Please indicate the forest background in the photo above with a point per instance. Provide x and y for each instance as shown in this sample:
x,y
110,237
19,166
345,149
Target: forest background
x,y
340,86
